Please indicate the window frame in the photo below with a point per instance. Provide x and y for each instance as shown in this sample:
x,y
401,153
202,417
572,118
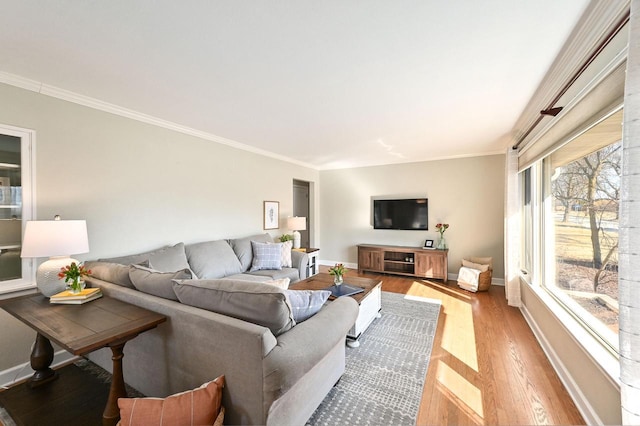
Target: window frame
x,y
27,157
601,351
590,323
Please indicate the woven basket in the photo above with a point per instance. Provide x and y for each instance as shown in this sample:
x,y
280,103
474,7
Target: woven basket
x,y
484,279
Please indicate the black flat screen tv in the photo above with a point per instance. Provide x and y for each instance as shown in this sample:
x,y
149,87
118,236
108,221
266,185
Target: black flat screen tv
x,y
406,214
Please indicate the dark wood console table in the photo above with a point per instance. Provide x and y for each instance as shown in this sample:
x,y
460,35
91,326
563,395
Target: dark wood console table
x,y
81,329
403,260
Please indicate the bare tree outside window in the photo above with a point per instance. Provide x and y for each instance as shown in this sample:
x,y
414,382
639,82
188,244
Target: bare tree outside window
x,y
586,194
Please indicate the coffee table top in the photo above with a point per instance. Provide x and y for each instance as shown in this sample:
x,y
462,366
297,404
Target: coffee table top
x,y
323,280
81,329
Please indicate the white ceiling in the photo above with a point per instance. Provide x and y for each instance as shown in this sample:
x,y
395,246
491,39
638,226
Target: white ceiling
x,y
331,84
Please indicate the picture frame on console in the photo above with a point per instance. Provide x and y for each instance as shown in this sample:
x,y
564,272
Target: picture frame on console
x,y
271,215
428,244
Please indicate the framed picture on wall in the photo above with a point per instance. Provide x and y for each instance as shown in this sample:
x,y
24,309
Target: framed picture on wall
x,y
271,214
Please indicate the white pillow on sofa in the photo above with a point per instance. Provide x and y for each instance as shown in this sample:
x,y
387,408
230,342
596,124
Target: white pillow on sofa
x,y
286,254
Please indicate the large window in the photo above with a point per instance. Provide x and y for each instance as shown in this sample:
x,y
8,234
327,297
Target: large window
x,y
580,188
15,207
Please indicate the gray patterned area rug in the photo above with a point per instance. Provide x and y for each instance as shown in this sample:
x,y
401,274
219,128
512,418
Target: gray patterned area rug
x,y
384,377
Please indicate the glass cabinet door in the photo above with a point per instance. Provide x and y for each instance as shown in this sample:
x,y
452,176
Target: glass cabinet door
x,y
10,207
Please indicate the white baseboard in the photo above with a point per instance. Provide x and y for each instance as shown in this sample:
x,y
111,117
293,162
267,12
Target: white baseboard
x,y
23,371
494,280
586,409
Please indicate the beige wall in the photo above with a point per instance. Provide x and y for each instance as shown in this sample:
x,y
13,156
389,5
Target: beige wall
x,y
139,186
467,193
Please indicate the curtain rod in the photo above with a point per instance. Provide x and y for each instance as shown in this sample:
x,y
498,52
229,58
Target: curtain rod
x,y
577,74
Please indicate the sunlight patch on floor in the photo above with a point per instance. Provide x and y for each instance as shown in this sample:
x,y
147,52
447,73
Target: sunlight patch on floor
x,y
459,337
466,396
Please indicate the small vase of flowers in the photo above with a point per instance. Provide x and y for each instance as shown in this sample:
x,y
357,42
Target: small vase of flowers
x,y
73,275
338,272
442,243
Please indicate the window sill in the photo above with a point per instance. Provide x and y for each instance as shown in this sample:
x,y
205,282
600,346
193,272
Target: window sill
x,y
602,357
11,291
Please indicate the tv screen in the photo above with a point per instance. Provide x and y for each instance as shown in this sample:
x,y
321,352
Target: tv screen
x,y
407,214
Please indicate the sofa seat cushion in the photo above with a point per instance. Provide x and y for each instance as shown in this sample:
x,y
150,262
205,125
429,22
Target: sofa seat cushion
x,y
156,283
200,406
165,259
261,304
212,259
243,250
275,274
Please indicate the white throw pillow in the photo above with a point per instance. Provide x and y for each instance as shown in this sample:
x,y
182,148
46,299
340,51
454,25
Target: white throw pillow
x,y
282,283
481,268
286,254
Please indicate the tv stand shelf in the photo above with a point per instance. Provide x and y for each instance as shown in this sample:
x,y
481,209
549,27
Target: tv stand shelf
x,y
403,260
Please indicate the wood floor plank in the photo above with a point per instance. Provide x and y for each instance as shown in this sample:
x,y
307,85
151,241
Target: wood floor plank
x,y
486,367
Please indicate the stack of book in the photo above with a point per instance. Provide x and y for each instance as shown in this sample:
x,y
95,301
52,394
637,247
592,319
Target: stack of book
x,y
69,298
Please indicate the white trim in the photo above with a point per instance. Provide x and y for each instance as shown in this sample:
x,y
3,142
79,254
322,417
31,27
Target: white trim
x,y
605,76
69,96
596,22
28,176
333,262
23,371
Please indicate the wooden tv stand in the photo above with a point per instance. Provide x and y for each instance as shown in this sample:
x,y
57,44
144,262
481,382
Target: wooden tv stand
x,y
403,260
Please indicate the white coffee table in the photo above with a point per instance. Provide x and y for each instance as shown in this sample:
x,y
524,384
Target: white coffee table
x,y
370,300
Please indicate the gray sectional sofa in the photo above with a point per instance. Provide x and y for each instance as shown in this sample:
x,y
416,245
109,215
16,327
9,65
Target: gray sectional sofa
x,y
274,375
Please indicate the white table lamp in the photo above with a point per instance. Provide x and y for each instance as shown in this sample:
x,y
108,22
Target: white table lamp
x,y
296,223
56,239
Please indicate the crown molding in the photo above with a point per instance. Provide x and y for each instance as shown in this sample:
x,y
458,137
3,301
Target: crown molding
x,y
599,18
69,96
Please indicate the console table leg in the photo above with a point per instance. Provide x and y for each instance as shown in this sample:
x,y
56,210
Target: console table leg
x,y
41,359
111,413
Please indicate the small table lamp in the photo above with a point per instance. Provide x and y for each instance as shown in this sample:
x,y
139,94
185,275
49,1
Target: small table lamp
x,y
56,239
297,223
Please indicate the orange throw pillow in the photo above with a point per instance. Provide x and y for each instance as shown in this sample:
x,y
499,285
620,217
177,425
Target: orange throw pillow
x,y
200,406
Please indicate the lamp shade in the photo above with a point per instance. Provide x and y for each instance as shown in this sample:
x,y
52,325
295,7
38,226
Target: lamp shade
x,y
45,238
297,223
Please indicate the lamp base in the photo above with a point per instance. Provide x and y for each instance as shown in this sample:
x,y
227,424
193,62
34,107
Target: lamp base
x,y
296,239
47,275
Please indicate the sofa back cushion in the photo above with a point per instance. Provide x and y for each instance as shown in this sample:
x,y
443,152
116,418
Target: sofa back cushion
x,y
156,283
112,272
243,250
213,259
258,303
165,259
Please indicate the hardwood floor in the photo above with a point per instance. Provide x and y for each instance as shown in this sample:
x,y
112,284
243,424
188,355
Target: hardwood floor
x,y
486,366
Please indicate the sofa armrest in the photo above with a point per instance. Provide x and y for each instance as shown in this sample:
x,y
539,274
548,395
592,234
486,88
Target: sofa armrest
x,y
300,260
194,346
302,347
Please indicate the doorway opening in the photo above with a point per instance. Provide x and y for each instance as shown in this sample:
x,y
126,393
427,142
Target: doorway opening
x,y
301,208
